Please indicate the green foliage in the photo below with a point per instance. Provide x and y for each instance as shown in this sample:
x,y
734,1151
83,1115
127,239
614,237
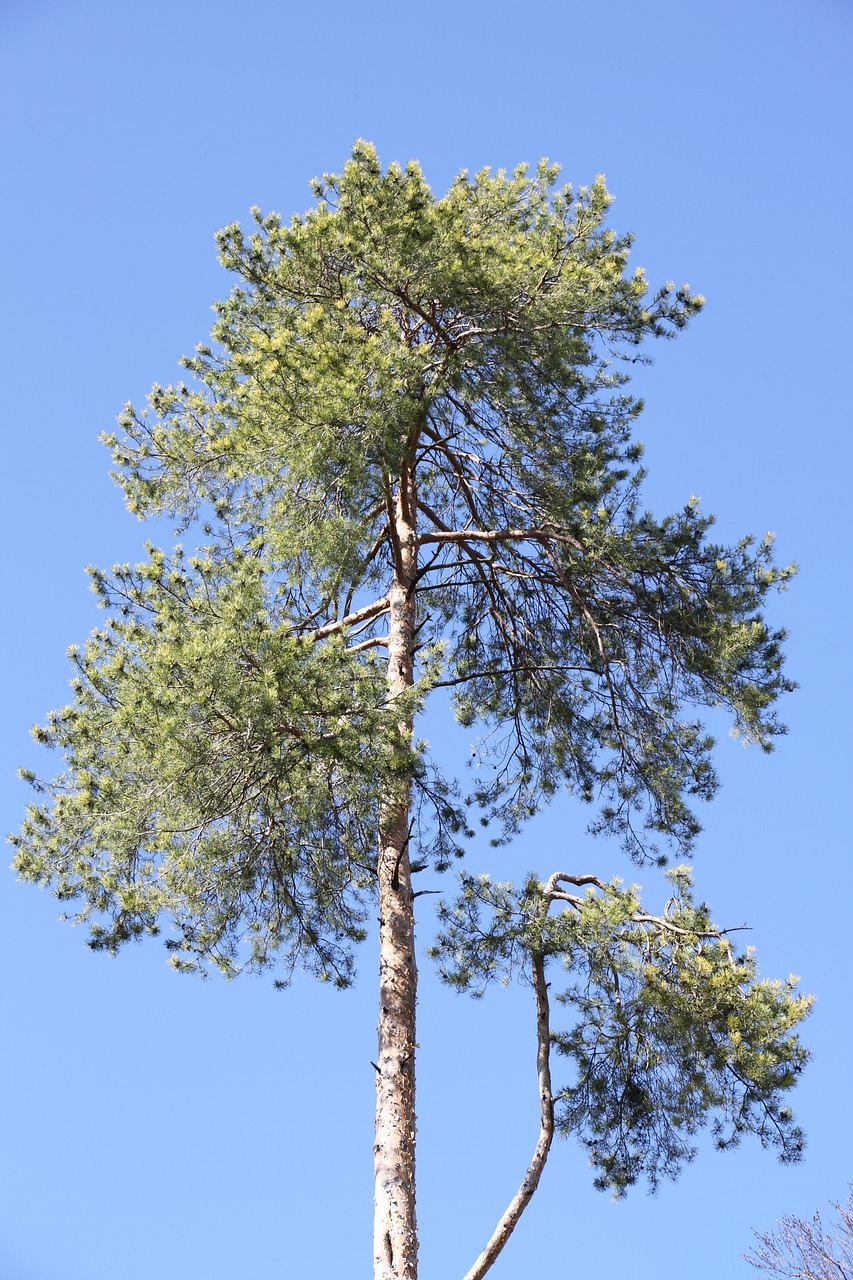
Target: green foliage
x,y
670,1030
217,769
228,742
231,739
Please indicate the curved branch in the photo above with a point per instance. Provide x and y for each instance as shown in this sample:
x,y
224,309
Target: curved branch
x,y
563,877
553,894
523,1196
377,642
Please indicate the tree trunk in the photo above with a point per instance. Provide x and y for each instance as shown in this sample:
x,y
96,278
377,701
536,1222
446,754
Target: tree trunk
x,y
395,1241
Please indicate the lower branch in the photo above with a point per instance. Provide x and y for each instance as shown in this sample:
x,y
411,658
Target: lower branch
x,y
523,1196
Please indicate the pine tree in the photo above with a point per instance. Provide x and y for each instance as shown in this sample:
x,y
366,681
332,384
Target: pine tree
x,y
406,461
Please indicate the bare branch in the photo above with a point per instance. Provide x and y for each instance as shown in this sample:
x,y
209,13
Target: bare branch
x,y
369,558
508,671
377,642
530,1182
351,620
563,877
807,1250
458,469
502,535
553,894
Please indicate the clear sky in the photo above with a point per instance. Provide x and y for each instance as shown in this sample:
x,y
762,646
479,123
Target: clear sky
x,y
157,1125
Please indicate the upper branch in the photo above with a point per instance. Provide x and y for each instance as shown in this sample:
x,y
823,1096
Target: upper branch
x,y
553,894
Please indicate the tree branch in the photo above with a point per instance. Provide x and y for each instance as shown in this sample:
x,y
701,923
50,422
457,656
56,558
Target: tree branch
x,y
350,620
529,669
553,894
530,1182
502,535
458,469
378,642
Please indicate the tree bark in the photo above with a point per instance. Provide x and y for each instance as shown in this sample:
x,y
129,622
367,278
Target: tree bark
x,y
395,1241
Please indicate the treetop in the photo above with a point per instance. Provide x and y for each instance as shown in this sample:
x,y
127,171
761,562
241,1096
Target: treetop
x,y
230,734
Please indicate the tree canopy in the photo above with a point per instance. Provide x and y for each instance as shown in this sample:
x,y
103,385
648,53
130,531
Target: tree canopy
x,y
406,462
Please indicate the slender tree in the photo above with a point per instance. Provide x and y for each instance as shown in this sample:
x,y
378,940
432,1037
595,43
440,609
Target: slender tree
x,y
407,462
806,1250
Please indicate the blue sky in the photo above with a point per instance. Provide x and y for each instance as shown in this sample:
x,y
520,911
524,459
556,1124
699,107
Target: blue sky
x,y
154,1124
